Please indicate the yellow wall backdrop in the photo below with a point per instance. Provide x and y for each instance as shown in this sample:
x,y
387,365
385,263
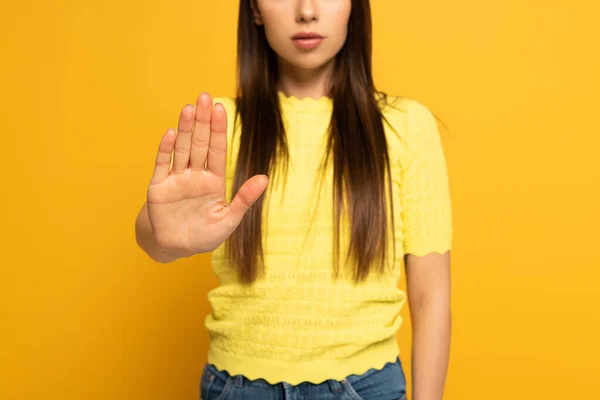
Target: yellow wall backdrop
x,y
89,87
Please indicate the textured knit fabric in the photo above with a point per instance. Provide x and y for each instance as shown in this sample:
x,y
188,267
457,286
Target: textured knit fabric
x,y
298,323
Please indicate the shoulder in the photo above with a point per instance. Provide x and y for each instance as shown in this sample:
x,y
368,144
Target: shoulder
x,y
405,112
410,125
402,112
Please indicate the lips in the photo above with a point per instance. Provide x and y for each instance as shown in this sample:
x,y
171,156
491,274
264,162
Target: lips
x,y
306,35
307,40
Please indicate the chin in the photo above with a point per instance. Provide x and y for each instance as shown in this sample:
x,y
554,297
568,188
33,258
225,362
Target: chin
x,y
308,61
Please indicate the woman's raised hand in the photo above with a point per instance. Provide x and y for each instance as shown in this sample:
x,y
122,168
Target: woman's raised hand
x,y
186,203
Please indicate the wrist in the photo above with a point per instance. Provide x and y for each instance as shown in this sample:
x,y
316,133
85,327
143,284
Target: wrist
x,y
165,256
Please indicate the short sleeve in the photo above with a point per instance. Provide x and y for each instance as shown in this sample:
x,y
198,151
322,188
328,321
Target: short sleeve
x,y
424,188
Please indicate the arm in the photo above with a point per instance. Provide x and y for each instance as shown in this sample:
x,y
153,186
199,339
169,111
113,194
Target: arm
x,y
427,231
428,284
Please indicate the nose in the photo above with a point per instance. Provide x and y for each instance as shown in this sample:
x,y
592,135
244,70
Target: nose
x,y
307,11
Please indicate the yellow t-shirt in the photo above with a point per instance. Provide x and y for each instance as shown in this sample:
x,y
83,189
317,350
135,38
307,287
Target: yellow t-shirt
x,y
297,323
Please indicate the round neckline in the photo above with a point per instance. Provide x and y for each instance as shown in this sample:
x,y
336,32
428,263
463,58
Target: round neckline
x,y
308,104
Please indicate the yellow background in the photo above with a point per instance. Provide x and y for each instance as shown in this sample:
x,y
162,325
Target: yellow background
x,y
89,87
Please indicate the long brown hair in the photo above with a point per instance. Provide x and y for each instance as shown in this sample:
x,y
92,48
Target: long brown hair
x,y
356,137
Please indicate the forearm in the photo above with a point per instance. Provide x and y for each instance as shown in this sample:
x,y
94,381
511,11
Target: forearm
x,y
431,348
145,239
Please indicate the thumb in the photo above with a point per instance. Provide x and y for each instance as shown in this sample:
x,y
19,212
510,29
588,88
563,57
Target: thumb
x,y
246,196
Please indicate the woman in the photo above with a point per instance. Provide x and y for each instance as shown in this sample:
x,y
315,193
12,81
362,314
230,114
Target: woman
x,y
308,304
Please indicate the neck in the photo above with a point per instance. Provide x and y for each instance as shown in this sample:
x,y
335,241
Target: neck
x,y
302,83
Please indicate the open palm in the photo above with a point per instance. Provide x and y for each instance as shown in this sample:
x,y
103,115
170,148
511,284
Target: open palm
x,y
187,207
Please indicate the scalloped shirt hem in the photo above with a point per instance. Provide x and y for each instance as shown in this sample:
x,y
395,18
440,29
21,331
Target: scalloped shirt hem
x,y
315,371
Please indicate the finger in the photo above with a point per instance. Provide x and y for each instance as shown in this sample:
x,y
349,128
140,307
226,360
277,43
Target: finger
x,y
246,196
217,148
201,135
163,158
184,139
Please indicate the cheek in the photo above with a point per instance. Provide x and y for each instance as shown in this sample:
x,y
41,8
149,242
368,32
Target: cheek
x,y
339,31
277,32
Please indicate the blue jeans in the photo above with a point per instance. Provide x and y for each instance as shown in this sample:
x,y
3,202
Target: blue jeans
x,y
388,383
